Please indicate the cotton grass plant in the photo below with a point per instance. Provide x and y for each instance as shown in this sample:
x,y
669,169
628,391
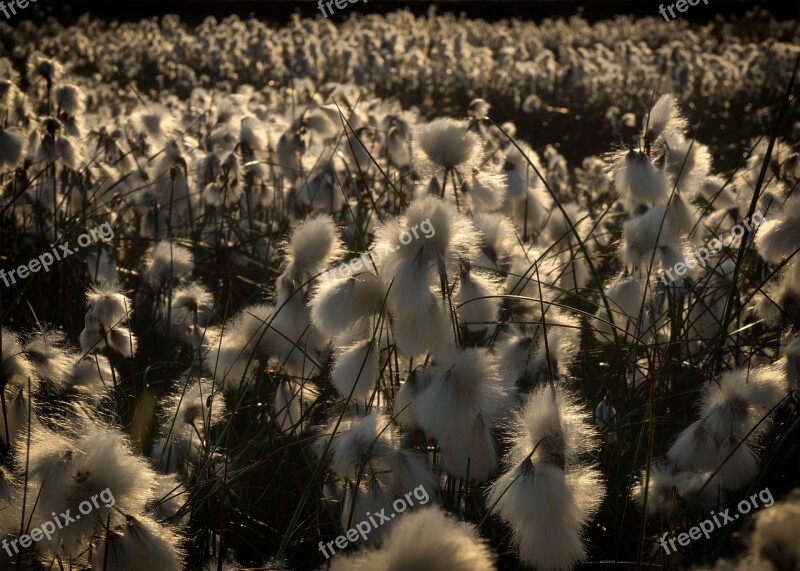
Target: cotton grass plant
x,y
562,407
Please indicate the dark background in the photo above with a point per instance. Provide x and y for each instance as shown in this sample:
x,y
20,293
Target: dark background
x,y
191,11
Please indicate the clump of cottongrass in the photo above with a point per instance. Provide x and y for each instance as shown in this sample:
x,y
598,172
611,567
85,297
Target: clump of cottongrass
x,y
646,236
312,246
425,539
248,339
549,492
138,542
527,200
361,445
67,471
188,312
477,298
528,360
49,355
363,498
340,303
628,310
734,414
168,261
446,144
638,180
105,321
671,492
663,119
188,414
498,242
168,498
483,191
90,377
412,269
11,146
406,399
356,369
18,382
468,385
605,417
779,236
774,537
292,398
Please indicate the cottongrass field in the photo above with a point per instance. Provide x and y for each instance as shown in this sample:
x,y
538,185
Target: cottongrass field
x,y
519,361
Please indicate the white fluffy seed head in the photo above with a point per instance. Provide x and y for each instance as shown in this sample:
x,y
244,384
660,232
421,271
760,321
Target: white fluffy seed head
x,y
467,385
356,369
641,235
424,539
477,298
638,180
664,116
341,303
366,443
447,144
166,261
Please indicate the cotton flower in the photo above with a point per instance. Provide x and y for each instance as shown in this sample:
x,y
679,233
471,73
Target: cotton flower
x,y
605,416
447,144
524,354
91,377
361,445
168,498
663,117
773,538
734,413
108,311
41,67
643,234
527,200
189,313
69,99
467,384
478,299
11,146
638,180
424,539
779,237
312,246
368,497
670,492
356,369
71,471
340,303
47,353
548,493
626,301
250,337
168,261
406,399
139,542
187,416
